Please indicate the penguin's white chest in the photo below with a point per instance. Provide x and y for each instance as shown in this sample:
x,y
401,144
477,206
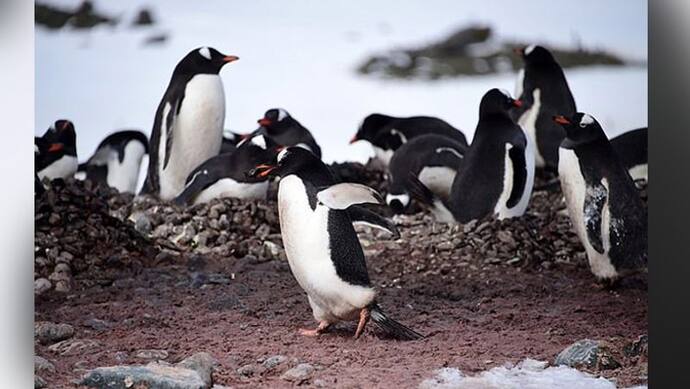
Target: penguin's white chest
x,y
438,179
574,190
197,132
528,121
227,187
123,175
306,240
64,168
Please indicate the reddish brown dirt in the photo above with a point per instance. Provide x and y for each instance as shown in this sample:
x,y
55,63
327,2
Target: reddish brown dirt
x,y
480,317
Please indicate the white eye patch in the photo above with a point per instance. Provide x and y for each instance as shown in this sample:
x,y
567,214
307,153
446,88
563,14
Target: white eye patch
x,y
205,52
586,120
283,153
529,49
259,141
282,114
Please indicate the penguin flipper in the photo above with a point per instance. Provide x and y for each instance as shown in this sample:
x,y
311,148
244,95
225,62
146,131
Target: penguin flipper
x,y
392,327
343,195
361,215
517,158
593,208
196,182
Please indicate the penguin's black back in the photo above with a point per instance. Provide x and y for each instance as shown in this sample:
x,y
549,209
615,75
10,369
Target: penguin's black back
x,y
119,140
479,181
598,160
290,132
631,147
415,126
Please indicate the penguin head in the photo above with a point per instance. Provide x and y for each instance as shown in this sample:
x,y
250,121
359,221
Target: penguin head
x,y
535,54
256,150
580,128
275,119
370,127
290,160
204,60
61,137
497,102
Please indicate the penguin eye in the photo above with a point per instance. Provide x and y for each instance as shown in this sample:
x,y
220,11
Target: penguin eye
x,y
583,125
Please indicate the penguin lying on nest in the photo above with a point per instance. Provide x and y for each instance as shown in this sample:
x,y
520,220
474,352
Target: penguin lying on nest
x,y
55,153
323,251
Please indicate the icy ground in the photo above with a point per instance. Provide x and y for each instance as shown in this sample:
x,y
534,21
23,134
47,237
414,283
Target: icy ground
x,y
301,55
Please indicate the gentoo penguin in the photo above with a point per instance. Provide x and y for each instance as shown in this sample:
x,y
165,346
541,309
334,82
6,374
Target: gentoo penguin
x,y
117,159
230,141
225,174
433,159
497,171
286,130
603,203
631,148
56,152
387,133
188,127
322,248
544,91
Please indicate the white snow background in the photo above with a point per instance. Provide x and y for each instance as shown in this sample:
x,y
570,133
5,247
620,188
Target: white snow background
x,y
301,55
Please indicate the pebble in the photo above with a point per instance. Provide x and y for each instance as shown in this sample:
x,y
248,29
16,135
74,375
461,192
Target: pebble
x,y
42,285
42,365
97,324
299,373
274,361
48,332
151,354
70,347
39,382
588,353
249,370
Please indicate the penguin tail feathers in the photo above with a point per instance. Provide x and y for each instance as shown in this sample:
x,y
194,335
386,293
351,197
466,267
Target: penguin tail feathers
x,y
392,327
419,191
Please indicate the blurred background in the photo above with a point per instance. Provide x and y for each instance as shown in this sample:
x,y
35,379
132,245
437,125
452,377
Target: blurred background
x,y
105,64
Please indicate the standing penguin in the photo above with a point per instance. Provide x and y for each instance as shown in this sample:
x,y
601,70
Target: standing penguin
x,y
433,159
55,153
631,149
387,133
117,160
497,172
224,175
286,130
604,206
322,248
543,89
188,127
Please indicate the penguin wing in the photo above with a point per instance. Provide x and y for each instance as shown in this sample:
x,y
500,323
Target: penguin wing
x,y
170,125
517,158
196,182
343,195
595,199
361,215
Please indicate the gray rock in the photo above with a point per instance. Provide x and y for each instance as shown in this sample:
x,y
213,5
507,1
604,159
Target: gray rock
x,y
47,332
151,354
97,324
588,353
274,361
191,373
250,370
39,382
42,285
142,223
271,249
299,373
74,346
42,365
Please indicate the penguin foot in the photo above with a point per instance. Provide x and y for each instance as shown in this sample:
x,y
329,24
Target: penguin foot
x,y
363,319
323,326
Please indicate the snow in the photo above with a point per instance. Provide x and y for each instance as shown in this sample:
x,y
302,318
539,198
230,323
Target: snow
x,y
302,56
528,374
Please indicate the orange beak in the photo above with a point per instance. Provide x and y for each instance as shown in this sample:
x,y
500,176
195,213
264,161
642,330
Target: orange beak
x,y
560,119
264,122
517,103
230,58
354,139
55,147
263,170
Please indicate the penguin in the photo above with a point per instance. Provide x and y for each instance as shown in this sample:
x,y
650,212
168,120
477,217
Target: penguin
x,y
434,159
55,153
631,149
544,90
188,126
286,130
117,160
496,175
603,204
230,141
322,248
387,133
224,175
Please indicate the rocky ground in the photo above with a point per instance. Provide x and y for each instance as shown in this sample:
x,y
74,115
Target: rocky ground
x,y
204,295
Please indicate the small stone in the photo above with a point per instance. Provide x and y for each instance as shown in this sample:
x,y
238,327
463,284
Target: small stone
x,y
142,222
299,373
223,222
319,383
47,332
274,361
39,382
74,346
97,324
151,354
588,353
42,365
249,370
42,285
63,286
273,250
